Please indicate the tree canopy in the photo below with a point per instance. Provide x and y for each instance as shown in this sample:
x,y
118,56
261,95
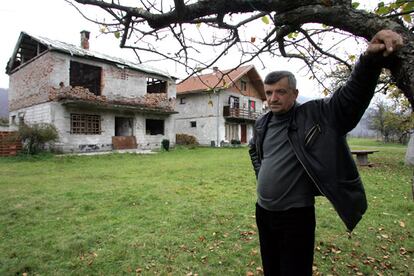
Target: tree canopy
x,y
300,29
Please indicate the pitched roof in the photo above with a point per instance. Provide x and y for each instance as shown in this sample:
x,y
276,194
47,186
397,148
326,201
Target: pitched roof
x,y
221,80
59,46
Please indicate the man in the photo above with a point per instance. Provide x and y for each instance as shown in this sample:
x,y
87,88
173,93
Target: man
x,y
299,151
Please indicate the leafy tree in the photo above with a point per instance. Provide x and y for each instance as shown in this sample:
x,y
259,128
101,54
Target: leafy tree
x,y
391,121
36,136
309,30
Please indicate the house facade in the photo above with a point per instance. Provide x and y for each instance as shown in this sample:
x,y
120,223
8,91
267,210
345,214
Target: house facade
x,y
96,102
220,107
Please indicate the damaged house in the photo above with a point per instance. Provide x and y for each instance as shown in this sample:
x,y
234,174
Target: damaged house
x,y
221,106
96,102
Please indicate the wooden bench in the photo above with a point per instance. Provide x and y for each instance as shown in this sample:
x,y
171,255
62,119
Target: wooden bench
x,y
362,156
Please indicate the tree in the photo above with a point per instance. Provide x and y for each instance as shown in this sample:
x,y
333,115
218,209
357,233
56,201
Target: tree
x,y
299,29
393,120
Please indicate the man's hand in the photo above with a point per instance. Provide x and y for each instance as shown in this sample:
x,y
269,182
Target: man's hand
x,y
385,42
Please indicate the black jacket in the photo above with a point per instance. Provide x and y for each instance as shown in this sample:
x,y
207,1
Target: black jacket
x,y
317,133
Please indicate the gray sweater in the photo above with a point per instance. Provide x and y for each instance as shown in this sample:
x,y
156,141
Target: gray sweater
x,y
282,181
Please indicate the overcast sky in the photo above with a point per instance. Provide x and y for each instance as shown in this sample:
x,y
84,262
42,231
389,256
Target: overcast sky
x,y
57,20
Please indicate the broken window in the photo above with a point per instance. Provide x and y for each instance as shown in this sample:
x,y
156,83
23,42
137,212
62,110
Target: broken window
x,y
87,76
123,126
193,123
156,86
154,127
85,124
28,49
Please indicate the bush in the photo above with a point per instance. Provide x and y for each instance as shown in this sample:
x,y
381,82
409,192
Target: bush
x,y
35,137
185,139
235,142
4,121
165,143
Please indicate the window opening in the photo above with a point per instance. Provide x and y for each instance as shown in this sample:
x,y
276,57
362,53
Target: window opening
x,y
123,126
182,100
154,127
193,124
85,124
85,75
156,86
243,85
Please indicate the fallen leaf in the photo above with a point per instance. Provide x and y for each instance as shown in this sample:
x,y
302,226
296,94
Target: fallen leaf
x,y
402,224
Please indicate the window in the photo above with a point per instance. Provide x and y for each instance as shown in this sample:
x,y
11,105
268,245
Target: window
x,y
243,85
193,124
85,124
182,100
154,127
85,75
234,102
156,86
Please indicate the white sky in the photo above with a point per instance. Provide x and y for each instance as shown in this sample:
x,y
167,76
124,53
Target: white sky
x,y
57,20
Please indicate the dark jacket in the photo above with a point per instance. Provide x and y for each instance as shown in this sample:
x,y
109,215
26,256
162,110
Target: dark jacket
x,y
317,132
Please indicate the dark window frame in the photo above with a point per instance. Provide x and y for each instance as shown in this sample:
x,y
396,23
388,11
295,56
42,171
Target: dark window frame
x,y
193,123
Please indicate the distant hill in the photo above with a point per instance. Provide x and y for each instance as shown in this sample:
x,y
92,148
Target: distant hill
x,y
4,105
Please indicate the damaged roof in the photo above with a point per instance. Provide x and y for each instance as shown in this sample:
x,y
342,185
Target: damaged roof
x,y
220,80
30,46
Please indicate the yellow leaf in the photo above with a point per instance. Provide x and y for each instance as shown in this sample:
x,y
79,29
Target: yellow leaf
x,y
265,19
407,18
402,224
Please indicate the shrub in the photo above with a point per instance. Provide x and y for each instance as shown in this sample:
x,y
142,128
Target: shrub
x,y
4,121
165,143
185,139
35,137
235,142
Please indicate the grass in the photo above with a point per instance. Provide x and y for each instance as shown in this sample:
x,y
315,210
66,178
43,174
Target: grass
x,y
181,212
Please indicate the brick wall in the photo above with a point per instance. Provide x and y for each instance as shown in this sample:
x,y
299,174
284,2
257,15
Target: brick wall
x,y
9,146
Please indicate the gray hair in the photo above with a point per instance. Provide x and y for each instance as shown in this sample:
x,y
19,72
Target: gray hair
x,y
275,76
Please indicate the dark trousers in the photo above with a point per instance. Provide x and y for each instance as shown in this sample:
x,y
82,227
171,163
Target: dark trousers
x,y
286,240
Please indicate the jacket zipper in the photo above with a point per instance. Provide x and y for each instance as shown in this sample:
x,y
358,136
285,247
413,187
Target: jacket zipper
x,y
314,130
304,167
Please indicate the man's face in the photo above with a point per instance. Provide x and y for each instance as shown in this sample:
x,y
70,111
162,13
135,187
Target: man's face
x,y
280,97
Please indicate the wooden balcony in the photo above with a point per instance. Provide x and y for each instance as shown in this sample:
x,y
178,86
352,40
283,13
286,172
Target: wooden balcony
x,y
239,114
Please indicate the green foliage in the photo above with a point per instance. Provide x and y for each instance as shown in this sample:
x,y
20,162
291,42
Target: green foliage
x,y
393,123
404,8
36,136
185,139
165,143
4,121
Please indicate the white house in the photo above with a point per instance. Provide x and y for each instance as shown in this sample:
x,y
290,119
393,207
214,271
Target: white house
x,y
97,102
220,107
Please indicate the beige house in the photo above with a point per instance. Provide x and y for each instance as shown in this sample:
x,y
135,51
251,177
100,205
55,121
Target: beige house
x,y
221,106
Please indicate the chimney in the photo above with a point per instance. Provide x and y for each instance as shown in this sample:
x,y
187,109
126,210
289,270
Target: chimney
x,y
85,40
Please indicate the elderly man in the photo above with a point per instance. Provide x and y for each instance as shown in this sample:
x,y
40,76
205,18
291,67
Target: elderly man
x,y
299,151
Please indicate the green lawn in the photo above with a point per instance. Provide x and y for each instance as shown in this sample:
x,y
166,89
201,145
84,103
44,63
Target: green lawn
x,y
183,212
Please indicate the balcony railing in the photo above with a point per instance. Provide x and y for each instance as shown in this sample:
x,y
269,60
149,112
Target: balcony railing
x,y
240,113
